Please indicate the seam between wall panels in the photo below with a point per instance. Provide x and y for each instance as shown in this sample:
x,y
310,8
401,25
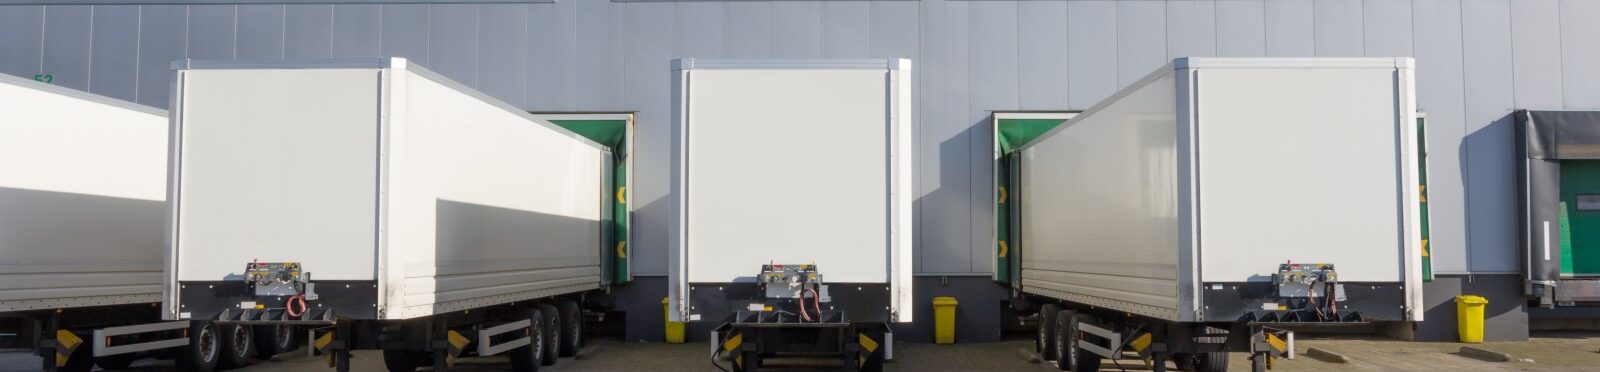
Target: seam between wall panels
x,y
88,76
138,42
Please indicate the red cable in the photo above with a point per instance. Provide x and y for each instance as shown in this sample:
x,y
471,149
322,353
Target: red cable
x,y
816,302
802,300
289,305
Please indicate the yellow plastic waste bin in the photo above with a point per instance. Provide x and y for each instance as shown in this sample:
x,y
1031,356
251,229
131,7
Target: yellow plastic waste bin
x,y
944,320
1469,318
674,329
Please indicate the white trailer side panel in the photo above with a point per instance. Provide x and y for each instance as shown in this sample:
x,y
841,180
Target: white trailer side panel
x,y
790,162
1216,170
793,174
278,165
375,170
1303,165
488,205
82,198
1100,203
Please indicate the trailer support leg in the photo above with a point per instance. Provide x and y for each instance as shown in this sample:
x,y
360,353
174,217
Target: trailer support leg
x,y
341,347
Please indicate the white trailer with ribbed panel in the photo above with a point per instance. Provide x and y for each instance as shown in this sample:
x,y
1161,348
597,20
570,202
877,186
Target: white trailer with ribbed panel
x,y
1216,199
385,205
791,197
82,205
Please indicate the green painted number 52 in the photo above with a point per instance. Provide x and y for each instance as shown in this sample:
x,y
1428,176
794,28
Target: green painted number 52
x,y
45,78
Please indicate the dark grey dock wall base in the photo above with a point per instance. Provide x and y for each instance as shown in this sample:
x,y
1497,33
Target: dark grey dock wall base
x,y
1506,318
978,316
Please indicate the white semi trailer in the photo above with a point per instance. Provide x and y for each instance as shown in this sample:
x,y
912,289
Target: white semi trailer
x,y
384,206
1216,199
82,207
791,198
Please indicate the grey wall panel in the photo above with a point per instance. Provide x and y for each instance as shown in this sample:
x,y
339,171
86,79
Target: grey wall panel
x,y
1580,54
1092,64
894,31
308,31
993,84
162,30
648,44
405,32
1338,28
545,66
946,146
358,31
1241,28
699,29
1490,175
113,67
747,31
67,44
21,39
599,56
211,31
1437,29
261,28
1536,53
1141,43
797,30
846,29
1042,55
1290,31
1191,29
1387,28
453,42
503,51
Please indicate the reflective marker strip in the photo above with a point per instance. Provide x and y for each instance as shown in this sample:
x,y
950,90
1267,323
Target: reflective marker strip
x,y
1546,240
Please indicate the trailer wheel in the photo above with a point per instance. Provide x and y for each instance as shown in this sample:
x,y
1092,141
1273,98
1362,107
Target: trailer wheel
x,y
115,362
239,344
272,340
528,357
1063,349
1211,362
402,360
1071,357
1046,341
205,348
572,335
552,334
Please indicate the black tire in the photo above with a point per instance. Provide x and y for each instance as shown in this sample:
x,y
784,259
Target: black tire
x,y
572,335
273,339
1045,341
1211,362
1081,360
238,345
204,350
1063,350
552,334
116,362
530,356
401,360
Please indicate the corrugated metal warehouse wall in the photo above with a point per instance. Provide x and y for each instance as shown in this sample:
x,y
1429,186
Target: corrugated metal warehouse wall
x,y
1477,60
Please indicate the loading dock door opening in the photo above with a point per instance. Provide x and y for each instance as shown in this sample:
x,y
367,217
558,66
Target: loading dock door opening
x,y
1580,218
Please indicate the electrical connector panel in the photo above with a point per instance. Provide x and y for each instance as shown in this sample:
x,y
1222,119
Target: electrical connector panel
x,y
1307,280
276,278
790,281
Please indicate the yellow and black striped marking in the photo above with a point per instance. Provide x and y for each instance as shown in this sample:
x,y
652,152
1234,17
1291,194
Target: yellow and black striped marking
x,y
66,343
868,345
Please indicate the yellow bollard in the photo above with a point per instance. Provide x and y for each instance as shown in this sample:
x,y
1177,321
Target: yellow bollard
x,y
1469,318
944,320
674,329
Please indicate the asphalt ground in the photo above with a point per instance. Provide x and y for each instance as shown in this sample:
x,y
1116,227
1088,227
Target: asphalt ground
x,y
1562,351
